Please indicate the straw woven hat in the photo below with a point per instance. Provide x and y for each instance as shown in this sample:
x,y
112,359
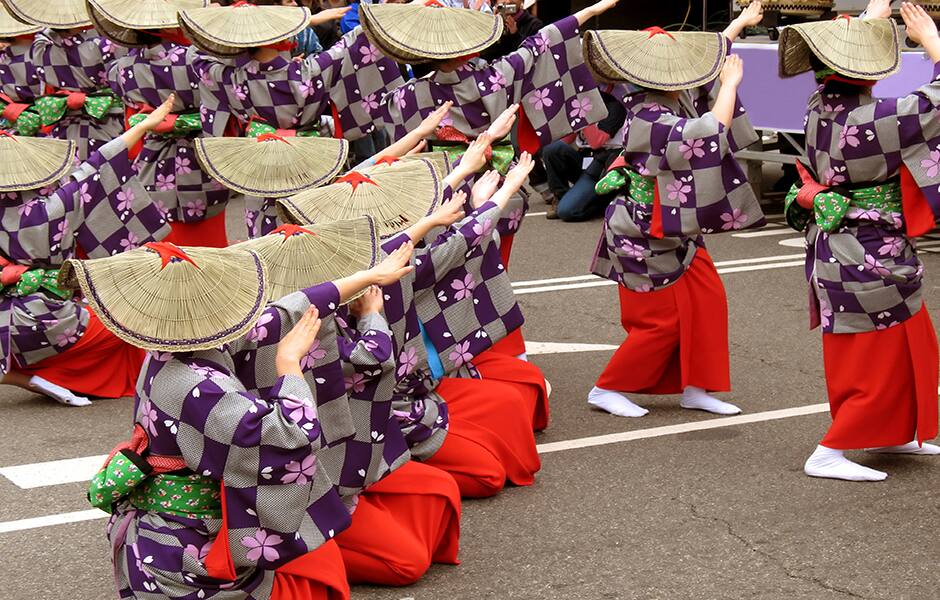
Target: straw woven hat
x,y
28,163
126,21
298,257
272,167
794,7
396,196
856,48
57,14
438,159
165,298
230,30
12,27
415,33
654,58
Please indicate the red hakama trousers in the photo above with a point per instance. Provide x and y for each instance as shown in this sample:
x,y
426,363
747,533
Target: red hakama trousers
x,y
489,437
676,336
513,344
527,378
100,364
882,385
317,575
209,233
402,524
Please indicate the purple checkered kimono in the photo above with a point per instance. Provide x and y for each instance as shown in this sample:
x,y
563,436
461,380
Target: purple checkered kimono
x,y
866,275
19,80
232,419
79,63
100,208
687,155
167,165
461,295
260,216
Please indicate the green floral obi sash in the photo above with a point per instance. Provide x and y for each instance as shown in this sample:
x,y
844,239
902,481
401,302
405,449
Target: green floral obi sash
x,y
830,207
503,153
640,188
33,280
257,129
53,108
183,126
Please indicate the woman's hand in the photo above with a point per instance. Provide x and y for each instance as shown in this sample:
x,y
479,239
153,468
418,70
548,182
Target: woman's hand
x,y
295,345
752,15
920,26
732,73
451,211
501,127
518,174
157,117
370,303
430,123
475,157
484,189
394,267
878,9
330,14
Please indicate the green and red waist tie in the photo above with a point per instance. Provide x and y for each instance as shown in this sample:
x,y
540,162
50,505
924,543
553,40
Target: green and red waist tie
x,y
455,143
827,206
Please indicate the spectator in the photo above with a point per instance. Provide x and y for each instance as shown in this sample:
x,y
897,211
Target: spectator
x,y
518,26
564,164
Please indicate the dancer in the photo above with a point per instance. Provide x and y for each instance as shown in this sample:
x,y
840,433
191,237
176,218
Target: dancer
x,y
51,343
681,180
19,82
863,197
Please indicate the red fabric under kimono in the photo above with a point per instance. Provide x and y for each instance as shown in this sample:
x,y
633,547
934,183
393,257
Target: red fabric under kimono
x,y
318,575
527,378
209,233
514,343
402,524
489,437
99,364
676,336
882,385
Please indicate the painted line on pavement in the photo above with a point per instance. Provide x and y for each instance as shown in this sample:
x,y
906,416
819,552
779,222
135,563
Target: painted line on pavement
x,y
50,520
763,232
54,472
537,348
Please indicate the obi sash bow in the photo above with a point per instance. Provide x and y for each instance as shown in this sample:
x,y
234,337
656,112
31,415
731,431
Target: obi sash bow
x,y
454,143
20,116
19,280
641,189
174,125
52,108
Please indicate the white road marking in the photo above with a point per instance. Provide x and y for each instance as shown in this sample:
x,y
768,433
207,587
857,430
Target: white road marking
x,y
793,242
536,214
54,472
50,520
763,232
642,434
535,348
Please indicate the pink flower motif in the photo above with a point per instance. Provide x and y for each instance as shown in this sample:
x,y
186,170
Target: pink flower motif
x,y
497,81
832,177
300,472
161,356
241,92
166,182
198,553
164,211
407,361
461,354
825,313
206,80
312,356
643,288
148,417
399,97
872,264
46,191
195,207
541,43
184,166
301,409
60,231
831,108
892,246
173,55
9,196
369,53
370,103
848,135
125,198
130,242
259,332
632,250
262,545
206,372
690,148
306,89
464,288
481,230
580,108
679,190
733,220
515,219
356,383
932,164
69,336
539,99
27,207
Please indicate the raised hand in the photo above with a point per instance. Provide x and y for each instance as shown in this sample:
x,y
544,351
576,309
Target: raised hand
x,y
394,267
330,14
157,117
418,149
920,26
520,172
371,302
878,9
501,127
295,345
430,123
732,73
484,189
451,211
475,156
753,14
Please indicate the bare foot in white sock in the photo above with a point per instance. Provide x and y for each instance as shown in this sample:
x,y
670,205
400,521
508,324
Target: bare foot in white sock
x,y
615,403
832,464
57,392
909,448
697,399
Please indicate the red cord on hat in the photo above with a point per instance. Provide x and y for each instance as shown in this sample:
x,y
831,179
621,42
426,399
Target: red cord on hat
x,y
291,230
169,251
655,30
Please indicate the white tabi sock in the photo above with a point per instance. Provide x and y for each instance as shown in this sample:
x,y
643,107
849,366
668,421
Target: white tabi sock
x,y
696,399
57,392
615,403
832,464
909,448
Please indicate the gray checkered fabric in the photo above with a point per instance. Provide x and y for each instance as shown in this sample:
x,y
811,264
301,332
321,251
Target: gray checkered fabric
x,y
19,80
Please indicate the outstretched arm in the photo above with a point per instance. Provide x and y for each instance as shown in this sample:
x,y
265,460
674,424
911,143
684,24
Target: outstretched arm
x,y
731,75
749,17
394,267
595,10
921,29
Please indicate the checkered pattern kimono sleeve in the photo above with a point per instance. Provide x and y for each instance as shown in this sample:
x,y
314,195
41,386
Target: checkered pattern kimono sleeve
x,y
18,77
215,76
117,213
74,62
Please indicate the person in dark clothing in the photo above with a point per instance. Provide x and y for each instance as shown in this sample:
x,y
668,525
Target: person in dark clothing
x,y
517,27
570,182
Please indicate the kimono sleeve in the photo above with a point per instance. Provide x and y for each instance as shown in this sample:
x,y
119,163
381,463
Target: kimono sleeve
x,y
453,247
215,77
117,213
73,61
369,349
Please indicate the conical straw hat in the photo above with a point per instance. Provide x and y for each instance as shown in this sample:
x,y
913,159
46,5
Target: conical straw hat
x,y
301,256
28,163
654,58
794,7
860,49
165,298
416,33
272,167
126,21
438,159
57,14
10,26
395,196
230,30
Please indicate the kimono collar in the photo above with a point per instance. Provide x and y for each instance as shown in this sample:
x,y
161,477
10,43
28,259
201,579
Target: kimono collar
x,y
458,75
277,63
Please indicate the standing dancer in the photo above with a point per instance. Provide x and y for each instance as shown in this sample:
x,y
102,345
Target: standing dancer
x,y
262,90
870,184
681,180
50,342
19,82
153,69
72,60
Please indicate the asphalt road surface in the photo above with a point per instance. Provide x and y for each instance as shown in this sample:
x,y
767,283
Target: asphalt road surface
x,y
679,505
